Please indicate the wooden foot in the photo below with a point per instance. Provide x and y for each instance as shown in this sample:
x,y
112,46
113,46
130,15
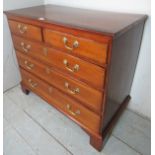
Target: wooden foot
x,y
24,89
99,141
96,142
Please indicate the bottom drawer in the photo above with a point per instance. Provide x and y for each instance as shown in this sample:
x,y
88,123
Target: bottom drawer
x,y
84,117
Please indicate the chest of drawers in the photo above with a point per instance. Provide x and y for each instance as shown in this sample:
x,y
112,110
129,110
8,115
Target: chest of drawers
x,y
81,62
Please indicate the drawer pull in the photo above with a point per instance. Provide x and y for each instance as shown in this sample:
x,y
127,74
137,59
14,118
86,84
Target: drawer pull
x,y
28,66
71,112
75,68
25,48
32,84
75,44
74,91
22,28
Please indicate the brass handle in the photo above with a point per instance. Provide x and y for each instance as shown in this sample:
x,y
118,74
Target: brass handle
x,y
28,65
75,44
74,69
32,84
71,112
22,28
74,91
25,48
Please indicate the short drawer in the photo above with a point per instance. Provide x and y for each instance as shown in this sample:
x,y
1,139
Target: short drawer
x,y
90,97
79,46
84,71
68,106
25,30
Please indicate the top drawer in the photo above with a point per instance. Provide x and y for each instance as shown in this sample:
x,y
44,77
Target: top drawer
x,y
81,47
25,30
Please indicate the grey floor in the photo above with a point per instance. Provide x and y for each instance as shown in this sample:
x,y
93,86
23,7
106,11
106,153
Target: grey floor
x,y
33,127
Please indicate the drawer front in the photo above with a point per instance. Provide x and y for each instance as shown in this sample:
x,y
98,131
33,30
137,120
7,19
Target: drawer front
x,y
68,106
81,47
88,96
74,66
25,30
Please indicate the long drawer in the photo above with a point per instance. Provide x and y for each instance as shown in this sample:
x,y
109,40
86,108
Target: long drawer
x,y
84,71
25,30
82,47
68,106
88,96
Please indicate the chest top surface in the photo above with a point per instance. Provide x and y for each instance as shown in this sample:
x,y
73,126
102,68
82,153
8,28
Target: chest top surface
x,y
110,23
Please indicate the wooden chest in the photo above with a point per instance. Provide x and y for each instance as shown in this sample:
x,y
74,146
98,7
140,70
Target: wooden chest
x,y
81,62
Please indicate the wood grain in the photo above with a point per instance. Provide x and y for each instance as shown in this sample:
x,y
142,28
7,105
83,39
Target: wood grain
x,y
86,48
121,72
109,23
32,32
89,73
89,97
60,101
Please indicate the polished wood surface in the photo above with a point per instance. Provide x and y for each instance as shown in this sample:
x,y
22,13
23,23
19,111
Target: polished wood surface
x,y
30,31
86,48
59,100
121,73
110,23
80,61
88,96
56,58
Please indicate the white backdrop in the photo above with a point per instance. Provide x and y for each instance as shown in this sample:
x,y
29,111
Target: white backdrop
x,y
141,85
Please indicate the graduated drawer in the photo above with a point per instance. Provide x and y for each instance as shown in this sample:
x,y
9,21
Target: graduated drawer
x,y
25,30
79,46
85,71
90,97
68,106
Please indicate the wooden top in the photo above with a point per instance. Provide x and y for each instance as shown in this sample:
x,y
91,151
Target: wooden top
x,y
110,23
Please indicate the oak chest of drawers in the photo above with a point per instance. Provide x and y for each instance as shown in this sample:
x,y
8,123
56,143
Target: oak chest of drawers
x,y
81,62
